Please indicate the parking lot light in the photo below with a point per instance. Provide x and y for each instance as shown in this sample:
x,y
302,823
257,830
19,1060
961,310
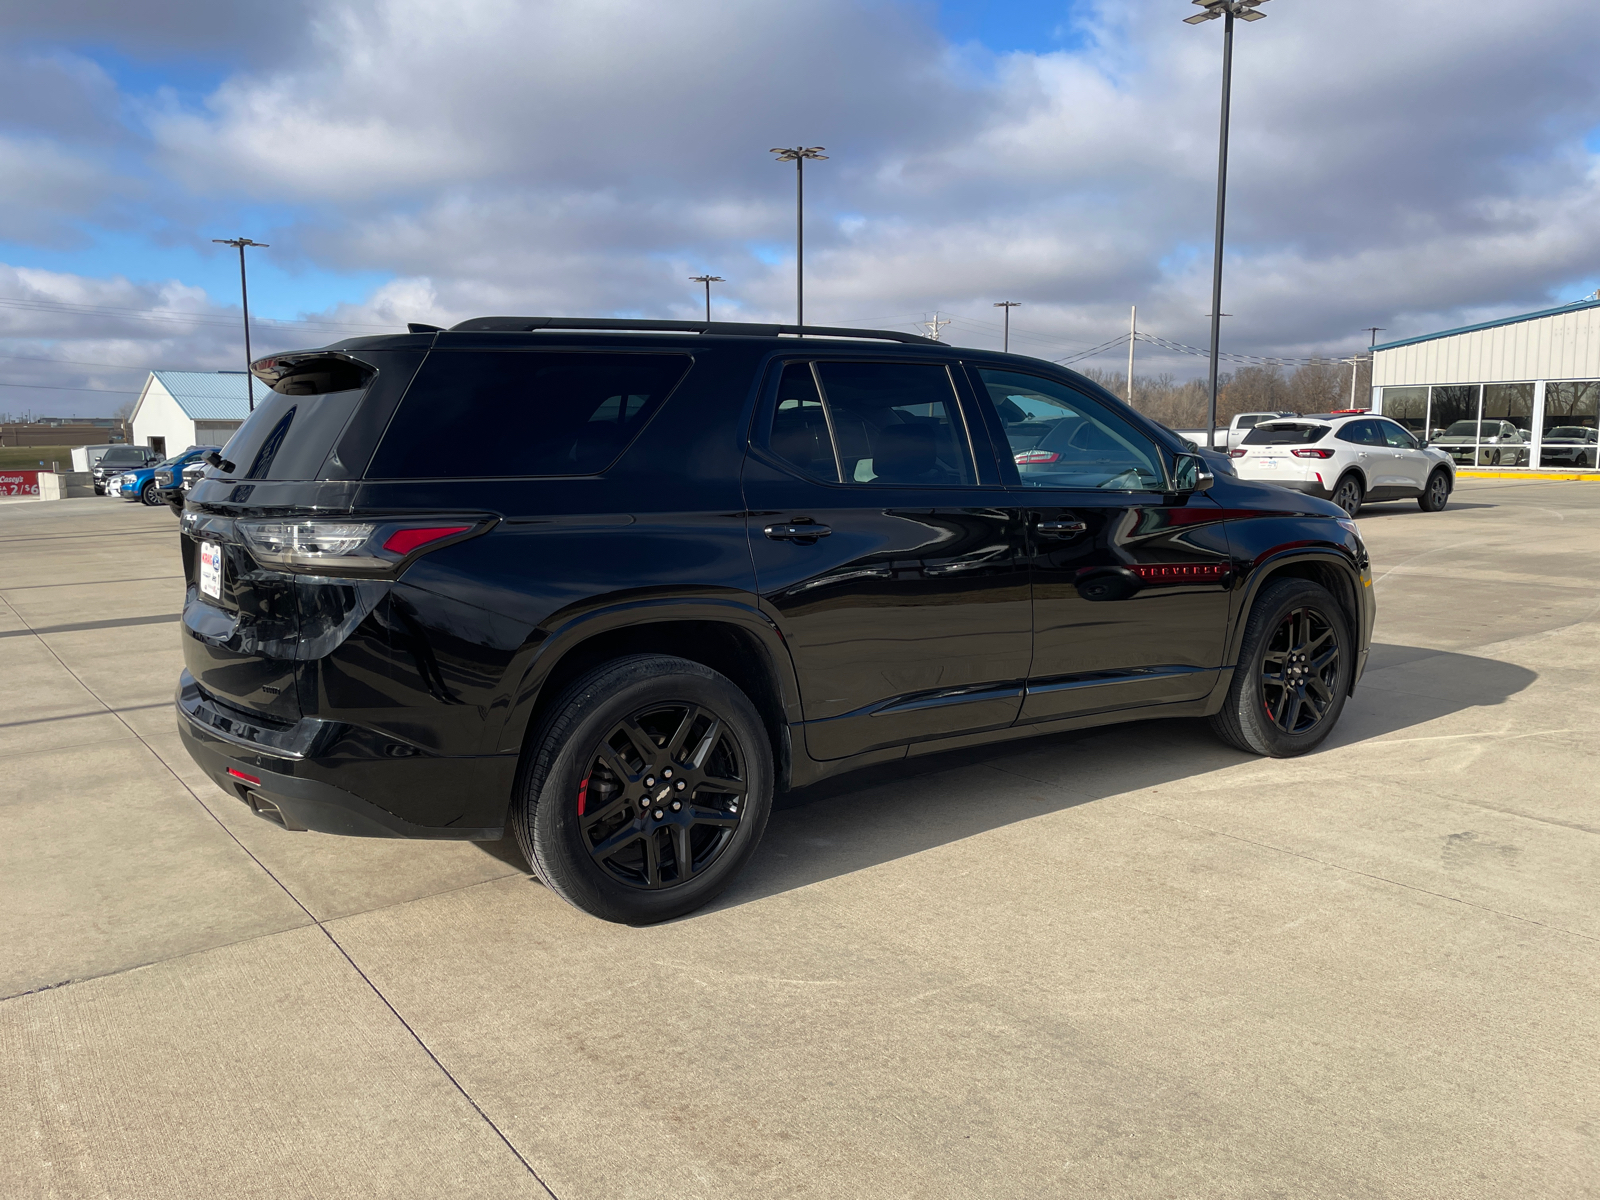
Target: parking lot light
x,y
798,155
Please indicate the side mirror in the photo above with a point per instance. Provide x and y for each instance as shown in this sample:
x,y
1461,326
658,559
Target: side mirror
x,y
216,460
1190,474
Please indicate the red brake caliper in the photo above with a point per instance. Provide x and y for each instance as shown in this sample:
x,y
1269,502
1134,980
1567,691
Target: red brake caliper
x,y
583,794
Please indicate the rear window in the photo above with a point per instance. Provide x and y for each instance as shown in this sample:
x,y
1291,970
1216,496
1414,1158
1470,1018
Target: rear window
x,y
1302,434
486,414
289,437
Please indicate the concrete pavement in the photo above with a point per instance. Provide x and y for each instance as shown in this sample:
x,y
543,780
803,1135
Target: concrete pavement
x,y
1120,963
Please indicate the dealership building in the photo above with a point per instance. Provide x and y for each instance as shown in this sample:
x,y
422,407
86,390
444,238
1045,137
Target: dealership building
x,y
179,409
1521,392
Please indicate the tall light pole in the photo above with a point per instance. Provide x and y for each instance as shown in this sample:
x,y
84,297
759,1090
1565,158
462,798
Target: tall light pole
x,y
1374,330
708,280
798,155
1245,10
244,297
1007,305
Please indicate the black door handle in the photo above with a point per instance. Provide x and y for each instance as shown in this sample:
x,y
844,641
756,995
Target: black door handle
x,y
796,533
1064,528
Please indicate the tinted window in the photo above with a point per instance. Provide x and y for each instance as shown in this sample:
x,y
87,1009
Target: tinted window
x,y
1061,438
288,437
128,457
895,423
800,426
478,414
1285,435
1362,433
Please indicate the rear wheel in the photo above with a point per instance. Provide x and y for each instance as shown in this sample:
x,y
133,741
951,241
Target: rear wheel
x,y
649,787
1293,673
1349,493
1436,494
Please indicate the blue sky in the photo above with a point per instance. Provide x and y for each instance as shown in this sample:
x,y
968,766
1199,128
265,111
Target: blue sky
x,y
587,157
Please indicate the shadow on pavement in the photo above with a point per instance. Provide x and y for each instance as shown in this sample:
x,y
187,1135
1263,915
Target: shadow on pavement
x,y
893,810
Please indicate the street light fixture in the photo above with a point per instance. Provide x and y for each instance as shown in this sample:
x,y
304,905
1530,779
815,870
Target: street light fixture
x,y
708,280
1008,305
1244,10
244,297
798,155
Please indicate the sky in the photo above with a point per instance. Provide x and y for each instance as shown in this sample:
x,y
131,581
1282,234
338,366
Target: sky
x,y
554,157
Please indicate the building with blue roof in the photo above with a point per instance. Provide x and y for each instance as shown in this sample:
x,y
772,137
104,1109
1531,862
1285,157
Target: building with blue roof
x,y
1521,392
179,409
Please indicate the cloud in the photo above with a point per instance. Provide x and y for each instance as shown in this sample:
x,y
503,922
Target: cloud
x,y
565,157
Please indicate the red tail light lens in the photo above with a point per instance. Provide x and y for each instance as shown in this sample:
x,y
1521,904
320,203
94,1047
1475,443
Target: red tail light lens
x,y
1037,456
404,541
1237,453
250,779
1313,453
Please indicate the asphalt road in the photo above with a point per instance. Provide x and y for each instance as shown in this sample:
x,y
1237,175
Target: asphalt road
x,y
1125,963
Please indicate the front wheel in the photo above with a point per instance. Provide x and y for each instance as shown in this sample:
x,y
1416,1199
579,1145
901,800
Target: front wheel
x,y
1349,494
1293,674
1436,495
648,788
147,494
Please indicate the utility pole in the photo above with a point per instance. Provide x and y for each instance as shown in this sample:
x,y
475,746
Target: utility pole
x,y
798,155
1245,10
1133,334
244,298
1372,357
934,326
1006,306
708,280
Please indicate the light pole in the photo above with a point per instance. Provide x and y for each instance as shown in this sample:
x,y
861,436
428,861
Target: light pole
x,y
1374,330
244,297
1007,305
798,155
708,280
1245,10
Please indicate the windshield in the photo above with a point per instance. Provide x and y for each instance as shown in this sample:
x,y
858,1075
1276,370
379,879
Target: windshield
x,y
1299,434
126,457
1575,432
1469,429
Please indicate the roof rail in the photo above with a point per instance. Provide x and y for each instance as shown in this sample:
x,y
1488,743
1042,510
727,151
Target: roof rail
x,y
730,328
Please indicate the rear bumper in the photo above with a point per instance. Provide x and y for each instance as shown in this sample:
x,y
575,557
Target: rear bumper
x,y
285,764
1306,487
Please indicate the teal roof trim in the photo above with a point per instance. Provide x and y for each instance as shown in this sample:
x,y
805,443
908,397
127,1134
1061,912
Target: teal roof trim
x,y
1533,316
208,395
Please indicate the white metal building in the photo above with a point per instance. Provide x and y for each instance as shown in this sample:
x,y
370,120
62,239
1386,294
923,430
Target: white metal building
x,y
1518,392
179,409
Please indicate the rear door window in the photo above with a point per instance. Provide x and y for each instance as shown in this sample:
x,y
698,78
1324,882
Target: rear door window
x,y
476,414
885,423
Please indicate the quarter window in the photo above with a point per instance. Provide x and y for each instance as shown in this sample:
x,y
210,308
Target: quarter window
x,y
1061,438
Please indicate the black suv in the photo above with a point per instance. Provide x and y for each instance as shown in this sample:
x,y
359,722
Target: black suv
x,y
119,459
612,584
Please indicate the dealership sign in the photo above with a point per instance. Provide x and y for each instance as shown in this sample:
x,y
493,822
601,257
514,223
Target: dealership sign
x,y
19,483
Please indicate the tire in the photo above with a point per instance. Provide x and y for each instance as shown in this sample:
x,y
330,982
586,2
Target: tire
x,y
1348,493
582,789
1436,493
147,494
1262,716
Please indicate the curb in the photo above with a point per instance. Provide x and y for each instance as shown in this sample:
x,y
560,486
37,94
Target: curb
x,y
1570,476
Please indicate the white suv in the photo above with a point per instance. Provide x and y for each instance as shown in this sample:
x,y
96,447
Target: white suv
x,y
1348,458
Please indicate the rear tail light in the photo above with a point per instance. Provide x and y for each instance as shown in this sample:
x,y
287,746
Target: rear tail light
x,y
1237,453
252,780
321,546
1312,453
1037,456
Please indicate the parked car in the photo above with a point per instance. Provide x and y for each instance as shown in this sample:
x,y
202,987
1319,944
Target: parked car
x,y
1496,444
118,459
148,485
1228,436
1570,445
1351,459
168,476
612,584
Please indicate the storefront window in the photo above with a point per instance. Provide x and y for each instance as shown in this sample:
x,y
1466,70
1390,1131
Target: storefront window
x,y
1453,420
1568,437
1505,437
1408,406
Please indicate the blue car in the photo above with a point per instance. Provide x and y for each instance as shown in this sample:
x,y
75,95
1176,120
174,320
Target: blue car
x,y
145,485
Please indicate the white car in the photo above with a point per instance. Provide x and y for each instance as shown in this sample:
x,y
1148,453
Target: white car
x,y
1349,458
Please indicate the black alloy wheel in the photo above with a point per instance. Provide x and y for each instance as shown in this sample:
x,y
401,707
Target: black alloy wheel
x,y
1293,673
1436,494
147,494
1348,494
1298,671
663,795
645,789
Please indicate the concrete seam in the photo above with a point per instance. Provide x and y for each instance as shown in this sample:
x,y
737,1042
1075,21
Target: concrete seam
x,y
404,1024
